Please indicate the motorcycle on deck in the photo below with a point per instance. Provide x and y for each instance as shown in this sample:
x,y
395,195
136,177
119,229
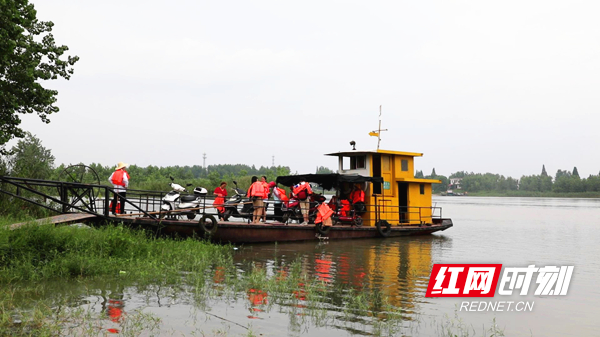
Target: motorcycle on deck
x,y
292,212
247,209
174,200
231,205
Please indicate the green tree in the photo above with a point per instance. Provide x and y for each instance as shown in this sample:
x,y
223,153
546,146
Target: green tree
x,y
28,55
575,172
30,159
544,173
561,173
592,184
214,178
3,166
419,174
459,174
441,187
323,170
546,184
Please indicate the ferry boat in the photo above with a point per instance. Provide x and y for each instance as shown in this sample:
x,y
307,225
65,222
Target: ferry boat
x,y
396,204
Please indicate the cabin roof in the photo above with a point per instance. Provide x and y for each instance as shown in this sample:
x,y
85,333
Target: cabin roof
x,y
328,181
420,180
355,152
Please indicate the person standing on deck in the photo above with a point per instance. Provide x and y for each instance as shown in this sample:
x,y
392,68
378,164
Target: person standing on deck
x,y
263,180
221,193
120,181
256,192
302,191
280,197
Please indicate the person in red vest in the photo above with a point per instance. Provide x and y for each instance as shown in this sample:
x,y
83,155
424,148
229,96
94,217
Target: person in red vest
x,y
280,197
221,193
357,198
357,195
263,180
257,193
120,181
302,191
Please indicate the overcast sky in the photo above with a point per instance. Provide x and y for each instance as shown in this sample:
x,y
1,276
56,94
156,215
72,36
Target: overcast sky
x,y
482,86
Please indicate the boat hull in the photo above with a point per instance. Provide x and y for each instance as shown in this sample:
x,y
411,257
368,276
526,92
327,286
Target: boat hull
x,y
241,232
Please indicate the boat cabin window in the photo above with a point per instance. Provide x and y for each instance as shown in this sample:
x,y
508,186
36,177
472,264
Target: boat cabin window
x,y
354,162
404,164
422,188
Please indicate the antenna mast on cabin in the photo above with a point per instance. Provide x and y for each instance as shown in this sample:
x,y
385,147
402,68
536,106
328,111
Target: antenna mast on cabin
x,y
377,133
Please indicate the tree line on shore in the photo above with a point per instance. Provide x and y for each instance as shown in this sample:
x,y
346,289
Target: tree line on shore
x,y
564,182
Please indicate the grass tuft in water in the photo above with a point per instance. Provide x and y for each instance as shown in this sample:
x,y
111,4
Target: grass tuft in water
x,y
35,253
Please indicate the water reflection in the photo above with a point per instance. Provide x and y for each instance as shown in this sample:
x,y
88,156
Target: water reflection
x,y
392,271
397,269
112,305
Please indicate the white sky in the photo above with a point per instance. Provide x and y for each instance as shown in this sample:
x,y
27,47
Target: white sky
x,y
499,87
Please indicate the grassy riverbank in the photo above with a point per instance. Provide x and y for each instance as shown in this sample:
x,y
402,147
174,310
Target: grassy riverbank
x,y
43,252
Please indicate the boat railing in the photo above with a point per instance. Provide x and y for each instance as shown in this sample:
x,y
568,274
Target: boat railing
x,y
70,197
403,215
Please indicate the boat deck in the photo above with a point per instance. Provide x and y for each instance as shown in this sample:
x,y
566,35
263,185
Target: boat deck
x,y
243,232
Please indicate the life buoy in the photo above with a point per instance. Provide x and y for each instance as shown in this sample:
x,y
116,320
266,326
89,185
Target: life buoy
x,y
323,230
208,224
384,228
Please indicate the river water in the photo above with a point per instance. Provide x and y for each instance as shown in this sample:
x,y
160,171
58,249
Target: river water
x,y
514,232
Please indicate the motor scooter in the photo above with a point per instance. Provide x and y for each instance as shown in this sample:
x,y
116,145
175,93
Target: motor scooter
x,y
231,205
174,200
292,212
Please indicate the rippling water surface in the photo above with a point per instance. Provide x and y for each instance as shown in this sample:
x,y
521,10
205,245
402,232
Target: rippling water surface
x,y
510,231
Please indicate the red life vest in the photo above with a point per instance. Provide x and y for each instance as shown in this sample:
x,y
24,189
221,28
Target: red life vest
x,y
357,196
302,187
324,212
281,194
257,189
345,207
117,177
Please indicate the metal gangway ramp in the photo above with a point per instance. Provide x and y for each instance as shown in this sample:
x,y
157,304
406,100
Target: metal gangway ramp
x,y
77,201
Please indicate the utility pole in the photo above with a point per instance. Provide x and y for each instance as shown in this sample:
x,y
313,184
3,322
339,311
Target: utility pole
x,y
273,161
204,160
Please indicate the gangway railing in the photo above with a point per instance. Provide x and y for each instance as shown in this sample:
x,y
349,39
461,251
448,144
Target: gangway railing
x,y
68,197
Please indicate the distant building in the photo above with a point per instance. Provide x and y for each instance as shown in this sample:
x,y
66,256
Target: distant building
x,y
455,184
